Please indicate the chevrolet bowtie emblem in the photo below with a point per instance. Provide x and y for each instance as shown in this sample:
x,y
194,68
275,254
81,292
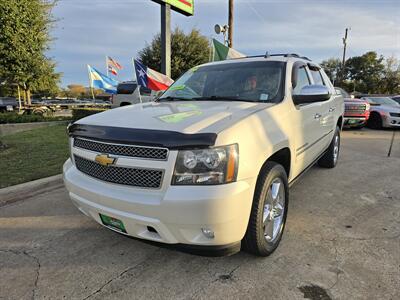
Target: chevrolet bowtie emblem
x,y
104,159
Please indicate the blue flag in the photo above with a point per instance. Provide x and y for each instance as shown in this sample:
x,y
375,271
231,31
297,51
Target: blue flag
x,y
101,81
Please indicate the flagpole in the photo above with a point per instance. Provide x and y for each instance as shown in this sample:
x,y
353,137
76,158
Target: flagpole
x,y
107,65
137,81
90,82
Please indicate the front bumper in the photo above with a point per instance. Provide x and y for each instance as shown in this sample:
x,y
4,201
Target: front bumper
x,y
354,121
389,121
177,214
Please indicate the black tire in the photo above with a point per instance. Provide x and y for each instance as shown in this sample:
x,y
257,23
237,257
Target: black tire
x,y
255,240
375,121
331,156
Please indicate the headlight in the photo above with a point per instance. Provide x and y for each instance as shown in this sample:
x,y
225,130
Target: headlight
x,y
367,106
206,166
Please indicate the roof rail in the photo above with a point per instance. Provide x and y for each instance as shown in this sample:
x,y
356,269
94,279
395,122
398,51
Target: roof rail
x,y
266,55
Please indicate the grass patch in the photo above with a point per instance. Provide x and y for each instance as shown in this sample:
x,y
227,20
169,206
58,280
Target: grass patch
x,y
12,118
32,154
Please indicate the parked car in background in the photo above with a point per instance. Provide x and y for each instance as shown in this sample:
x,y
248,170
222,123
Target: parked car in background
x,y
8,104
356,111
396,98
129,92
384,112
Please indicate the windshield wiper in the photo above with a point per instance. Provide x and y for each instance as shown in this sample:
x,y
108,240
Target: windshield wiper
x,y
223,98
169,98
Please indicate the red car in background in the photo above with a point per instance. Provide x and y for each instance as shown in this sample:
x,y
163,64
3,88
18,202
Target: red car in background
x,y
356,111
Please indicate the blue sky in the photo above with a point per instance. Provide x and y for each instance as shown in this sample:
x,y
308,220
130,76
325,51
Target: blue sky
x,y
87,30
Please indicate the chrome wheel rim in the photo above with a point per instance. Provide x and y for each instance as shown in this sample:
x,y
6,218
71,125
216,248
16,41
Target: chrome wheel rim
x,y
336,149
274,210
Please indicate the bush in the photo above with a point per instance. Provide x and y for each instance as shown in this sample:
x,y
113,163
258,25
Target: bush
x,y
79,113
10,118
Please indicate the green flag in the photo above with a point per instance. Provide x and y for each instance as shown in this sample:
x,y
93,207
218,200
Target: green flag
x,y
222,52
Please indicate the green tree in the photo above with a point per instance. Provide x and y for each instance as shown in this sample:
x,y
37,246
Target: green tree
x,y
366,72
332,68
24,40
187,50
390,83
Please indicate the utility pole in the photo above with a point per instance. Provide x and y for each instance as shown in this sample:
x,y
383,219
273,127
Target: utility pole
x,y
230,24
344,54
166,39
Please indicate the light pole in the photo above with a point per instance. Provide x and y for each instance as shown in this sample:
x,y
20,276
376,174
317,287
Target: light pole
x,y
230,24
344,54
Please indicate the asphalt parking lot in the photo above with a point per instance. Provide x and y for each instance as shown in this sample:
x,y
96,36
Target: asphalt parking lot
x,y
342,241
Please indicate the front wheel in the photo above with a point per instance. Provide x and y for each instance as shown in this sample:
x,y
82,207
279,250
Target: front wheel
x,y
268,212
375,121
330,158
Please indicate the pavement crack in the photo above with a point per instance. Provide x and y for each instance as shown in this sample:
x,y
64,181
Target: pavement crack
x,y
100,289
32,257
36,259
337,270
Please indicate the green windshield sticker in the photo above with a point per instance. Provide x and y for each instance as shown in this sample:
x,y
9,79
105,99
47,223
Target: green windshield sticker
x,y
194,69
177,88
188,105
179,117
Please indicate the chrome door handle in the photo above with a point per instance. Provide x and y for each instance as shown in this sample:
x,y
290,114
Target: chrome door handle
x,y
332,109
317,116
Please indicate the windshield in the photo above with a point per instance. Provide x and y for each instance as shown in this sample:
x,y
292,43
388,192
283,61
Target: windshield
x,y
240,81
382,101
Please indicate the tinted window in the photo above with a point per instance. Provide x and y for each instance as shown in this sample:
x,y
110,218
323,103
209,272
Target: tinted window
x,y
126,88
302,80
316,75
248,81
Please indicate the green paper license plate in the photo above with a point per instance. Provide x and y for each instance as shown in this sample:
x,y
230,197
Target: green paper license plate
x,y
113,223
353,121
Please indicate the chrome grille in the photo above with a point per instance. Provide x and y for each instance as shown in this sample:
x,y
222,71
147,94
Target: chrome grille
x,y
122,150
355,108
145,178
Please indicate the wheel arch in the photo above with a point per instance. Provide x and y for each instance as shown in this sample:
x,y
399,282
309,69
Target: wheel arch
x,y
283,157
340,122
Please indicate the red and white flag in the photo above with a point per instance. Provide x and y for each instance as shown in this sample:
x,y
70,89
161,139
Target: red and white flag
x,y
112,65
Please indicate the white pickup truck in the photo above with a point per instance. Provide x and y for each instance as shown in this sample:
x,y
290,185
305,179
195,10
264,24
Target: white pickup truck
x,y
209,164
129,92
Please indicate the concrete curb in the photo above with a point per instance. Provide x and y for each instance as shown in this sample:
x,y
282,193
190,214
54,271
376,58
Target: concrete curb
x,y
29,189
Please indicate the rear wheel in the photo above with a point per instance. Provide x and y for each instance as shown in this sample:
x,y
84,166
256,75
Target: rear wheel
x,y
330,158
375,121
269,211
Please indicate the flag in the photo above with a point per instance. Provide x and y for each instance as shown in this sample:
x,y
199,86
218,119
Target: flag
x,y
113,63
151,79
222,52
101,81
112,70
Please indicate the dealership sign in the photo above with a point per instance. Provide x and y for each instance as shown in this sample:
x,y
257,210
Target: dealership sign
x,y
185,7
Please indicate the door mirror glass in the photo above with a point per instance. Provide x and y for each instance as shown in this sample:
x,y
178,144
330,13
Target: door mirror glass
x,y
312,93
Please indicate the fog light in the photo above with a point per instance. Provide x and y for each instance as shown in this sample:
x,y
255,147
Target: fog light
x,y
208,233
393,121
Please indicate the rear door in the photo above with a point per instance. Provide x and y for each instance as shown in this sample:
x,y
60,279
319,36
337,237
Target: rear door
x,y
327,109
306,121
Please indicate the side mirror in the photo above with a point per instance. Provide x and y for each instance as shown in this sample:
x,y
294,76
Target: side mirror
x,y
312,93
